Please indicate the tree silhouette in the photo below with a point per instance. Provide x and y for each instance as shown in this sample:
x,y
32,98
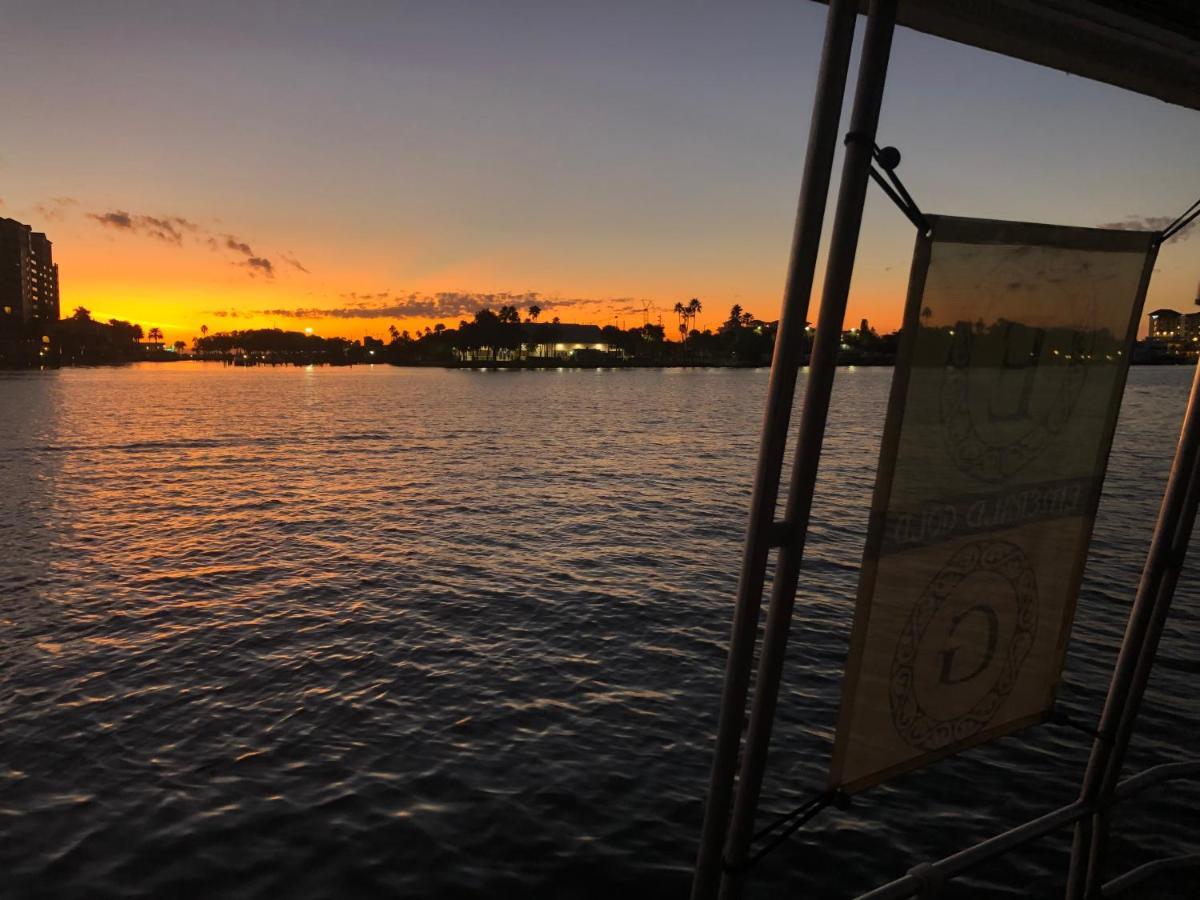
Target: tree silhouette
x,y
82,313
534,312
682,312
393,331
155,335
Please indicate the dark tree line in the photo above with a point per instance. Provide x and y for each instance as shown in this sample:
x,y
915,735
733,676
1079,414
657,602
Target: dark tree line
x,y
501,335
81,340
277,345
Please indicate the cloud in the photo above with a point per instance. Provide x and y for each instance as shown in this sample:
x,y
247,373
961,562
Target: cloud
x,y
117,219
166,228
241,247
1152,223
259,264
254,263
56,209
637,306
365,299
443,305
172,230
292,261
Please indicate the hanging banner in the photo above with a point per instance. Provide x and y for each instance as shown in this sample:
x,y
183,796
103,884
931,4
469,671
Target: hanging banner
x,y
1007,385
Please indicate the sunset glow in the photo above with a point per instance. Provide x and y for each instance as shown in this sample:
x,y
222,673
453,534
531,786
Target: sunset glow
x,y
343,176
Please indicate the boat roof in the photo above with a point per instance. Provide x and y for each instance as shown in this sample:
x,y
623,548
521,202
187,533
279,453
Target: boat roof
x,y
1151,47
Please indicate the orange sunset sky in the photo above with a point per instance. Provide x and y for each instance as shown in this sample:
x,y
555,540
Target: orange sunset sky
x,y
372,165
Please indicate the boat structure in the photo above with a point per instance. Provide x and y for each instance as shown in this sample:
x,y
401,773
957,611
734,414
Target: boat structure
x,y
1008,382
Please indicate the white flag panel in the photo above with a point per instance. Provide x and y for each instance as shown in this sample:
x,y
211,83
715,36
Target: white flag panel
x,y
1005,396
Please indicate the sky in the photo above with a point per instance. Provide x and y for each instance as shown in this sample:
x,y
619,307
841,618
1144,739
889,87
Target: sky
x,y
354,165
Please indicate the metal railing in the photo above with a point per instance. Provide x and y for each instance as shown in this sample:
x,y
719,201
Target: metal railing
x,y
928,879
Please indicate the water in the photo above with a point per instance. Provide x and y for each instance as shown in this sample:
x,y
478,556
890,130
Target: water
x,y
415,633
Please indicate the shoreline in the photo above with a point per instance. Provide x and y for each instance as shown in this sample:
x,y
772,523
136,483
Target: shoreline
x,y
516,366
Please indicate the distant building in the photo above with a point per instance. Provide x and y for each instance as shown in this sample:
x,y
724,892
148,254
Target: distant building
x,y
550,341
28,282
44,283
1178,333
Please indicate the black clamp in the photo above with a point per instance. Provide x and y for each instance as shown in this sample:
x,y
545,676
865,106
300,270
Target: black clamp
x,y
794,821
888,159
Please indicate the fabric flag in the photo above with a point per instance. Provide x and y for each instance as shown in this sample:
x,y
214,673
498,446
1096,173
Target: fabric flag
x,y
1008,381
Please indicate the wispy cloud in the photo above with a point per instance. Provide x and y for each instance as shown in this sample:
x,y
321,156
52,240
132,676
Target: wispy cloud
x,y
166,228
443,305
292,261
55,210
258,264
232,243
1153,223
173,229
636,306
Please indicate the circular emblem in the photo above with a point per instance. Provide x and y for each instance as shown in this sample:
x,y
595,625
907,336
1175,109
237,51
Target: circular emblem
x,y
1007,391
963,645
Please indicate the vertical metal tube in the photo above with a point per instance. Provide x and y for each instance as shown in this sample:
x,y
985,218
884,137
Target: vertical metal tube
x,y
781,388
843,246
1176,518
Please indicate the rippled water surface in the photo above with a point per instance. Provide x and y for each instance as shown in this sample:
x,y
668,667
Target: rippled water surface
x,y
415,633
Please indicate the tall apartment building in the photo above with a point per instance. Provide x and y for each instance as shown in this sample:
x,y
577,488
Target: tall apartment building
x,y
1178,332
28,281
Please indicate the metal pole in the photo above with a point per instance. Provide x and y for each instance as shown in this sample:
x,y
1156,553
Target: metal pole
x,y
843,246
1176,517
781,388
1168,578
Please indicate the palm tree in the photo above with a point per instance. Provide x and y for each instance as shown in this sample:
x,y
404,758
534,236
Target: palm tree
x,y
393,331
155,335
694,308
534,312
682,312
203,330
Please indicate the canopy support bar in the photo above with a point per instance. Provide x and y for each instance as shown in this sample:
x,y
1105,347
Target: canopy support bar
x,y
762,530
843,246
1176,518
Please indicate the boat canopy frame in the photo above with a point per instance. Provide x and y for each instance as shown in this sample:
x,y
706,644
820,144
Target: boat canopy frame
x,y
1158,48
